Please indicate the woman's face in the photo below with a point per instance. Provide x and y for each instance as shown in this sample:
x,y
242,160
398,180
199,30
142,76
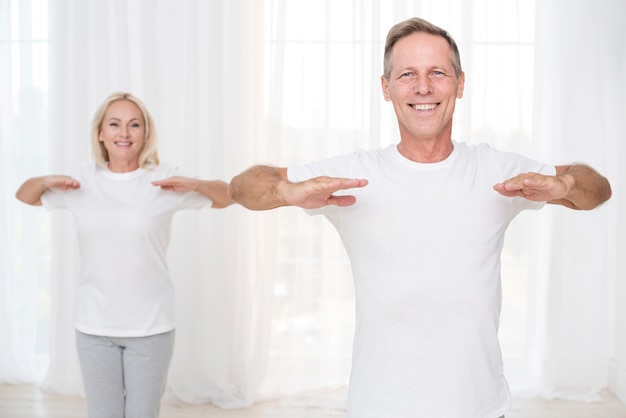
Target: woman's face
x,y
123,135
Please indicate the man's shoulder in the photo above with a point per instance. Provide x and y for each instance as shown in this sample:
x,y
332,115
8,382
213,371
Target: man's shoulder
x,y
484,149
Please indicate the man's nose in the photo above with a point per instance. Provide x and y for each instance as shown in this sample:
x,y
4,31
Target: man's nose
x,y
423,85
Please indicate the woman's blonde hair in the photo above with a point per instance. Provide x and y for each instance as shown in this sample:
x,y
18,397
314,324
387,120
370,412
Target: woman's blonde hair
x,y
148,155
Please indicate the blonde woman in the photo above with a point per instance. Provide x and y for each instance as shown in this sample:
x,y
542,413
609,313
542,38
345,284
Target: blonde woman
x,y
123,203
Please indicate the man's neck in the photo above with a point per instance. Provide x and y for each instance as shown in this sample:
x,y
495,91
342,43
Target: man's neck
x,y
426,151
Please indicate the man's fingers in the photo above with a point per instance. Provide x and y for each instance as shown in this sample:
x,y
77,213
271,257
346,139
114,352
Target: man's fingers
x,y
341,184
353,183
341,200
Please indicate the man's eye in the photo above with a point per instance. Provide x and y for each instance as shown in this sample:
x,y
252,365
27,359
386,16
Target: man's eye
x,y
407,77
438,74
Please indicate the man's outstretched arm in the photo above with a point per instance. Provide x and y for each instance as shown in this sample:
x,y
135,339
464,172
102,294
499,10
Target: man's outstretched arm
x,y
263,187
575,186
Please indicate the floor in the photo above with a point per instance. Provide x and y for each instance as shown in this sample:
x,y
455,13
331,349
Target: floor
x,y
27,401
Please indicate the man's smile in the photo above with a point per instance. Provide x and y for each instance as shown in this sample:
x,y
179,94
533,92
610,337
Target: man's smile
x,y
429,106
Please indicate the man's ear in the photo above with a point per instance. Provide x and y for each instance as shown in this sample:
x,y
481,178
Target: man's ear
x,y
384,83
461,88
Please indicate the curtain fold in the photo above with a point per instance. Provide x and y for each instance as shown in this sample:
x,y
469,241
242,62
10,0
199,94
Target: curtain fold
x,y
24,260
579,110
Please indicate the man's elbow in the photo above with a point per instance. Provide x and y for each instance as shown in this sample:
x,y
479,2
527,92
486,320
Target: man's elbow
x,y
608,192
604,193
232,192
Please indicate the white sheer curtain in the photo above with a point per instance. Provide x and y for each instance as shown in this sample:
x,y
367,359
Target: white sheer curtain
x,y
24,232
579,113
264,300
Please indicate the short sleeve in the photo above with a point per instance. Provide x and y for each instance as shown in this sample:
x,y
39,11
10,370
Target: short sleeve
x,y
191,200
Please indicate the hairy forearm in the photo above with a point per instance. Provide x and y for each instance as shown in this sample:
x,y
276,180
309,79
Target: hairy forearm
x,y
258,188
588,188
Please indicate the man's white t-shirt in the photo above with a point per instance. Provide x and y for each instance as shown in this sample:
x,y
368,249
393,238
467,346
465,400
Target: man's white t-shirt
x,y
123,223
424,242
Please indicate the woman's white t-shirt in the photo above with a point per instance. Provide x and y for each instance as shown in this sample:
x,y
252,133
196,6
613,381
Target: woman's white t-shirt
x,y
123,222
424,242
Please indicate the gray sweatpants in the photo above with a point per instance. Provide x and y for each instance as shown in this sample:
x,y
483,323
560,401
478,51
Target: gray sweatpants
x,y
124,377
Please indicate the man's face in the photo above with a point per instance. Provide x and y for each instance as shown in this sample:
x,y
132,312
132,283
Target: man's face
x,y
423,87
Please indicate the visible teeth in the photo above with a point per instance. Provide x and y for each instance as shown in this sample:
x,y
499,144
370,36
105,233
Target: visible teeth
x,y
424,106
123,143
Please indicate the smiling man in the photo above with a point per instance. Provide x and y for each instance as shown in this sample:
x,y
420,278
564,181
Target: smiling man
x,y
423,84
424,227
